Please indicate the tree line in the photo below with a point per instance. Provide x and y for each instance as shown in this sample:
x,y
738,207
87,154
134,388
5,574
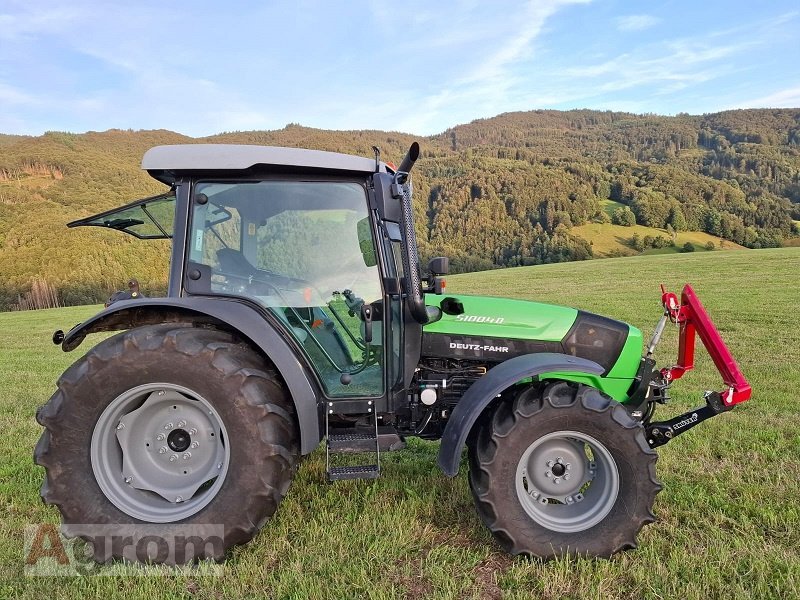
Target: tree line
x,y
497,192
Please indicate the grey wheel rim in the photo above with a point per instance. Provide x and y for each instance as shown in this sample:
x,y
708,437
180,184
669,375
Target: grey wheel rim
x,y
567,481
160,452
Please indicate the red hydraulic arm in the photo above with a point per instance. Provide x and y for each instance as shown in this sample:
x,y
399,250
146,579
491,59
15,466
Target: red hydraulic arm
x,y
692,319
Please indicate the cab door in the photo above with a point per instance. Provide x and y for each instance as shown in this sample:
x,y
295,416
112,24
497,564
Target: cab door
x,y
304,251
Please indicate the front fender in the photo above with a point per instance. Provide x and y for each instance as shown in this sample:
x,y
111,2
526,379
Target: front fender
x,y
238,316
486,389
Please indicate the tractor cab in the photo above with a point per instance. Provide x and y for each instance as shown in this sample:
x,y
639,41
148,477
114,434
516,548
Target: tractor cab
x,y
314,241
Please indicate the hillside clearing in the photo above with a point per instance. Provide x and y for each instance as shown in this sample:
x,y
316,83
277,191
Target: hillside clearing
x,y
727,519
607,238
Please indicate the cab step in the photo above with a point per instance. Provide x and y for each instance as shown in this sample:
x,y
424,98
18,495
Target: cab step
x,y
342,441
354,472
363,440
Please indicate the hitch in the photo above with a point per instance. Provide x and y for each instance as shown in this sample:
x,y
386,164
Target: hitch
x,y
691,316
661,432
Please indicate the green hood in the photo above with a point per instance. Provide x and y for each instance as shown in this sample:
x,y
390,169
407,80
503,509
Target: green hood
x,y
496,329
503,318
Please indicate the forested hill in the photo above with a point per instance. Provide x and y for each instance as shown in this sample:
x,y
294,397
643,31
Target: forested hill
x,y
520,188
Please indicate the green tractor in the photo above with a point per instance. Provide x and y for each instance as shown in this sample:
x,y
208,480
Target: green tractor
x,y
296,312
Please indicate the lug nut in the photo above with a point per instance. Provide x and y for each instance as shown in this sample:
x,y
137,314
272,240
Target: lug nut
x,y
173,458
162,450
566,476
187,455
193,431
548,474
195,444
557,480
169,426
549,463
161,437
181,423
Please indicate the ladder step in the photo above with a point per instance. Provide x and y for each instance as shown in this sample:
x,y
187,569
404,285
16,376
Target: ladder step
x,y
354,472
352,442
364,440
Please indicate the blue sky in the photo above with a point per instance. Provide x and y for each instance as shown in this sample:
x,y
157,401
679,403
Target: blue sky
x,y
206,67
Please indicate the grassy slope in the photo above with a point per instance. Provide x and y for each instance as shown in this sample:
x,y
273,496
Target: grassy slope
x,y
606,238
728,516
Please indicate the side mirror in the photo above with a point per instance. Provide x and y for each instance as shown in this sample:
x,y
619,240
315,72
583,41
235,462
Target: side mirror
x,y
439,266
365,242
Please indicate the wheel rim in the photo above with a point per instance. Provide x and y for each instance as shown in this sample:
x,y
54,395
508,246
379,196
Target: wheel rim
x,y
567,481
160,452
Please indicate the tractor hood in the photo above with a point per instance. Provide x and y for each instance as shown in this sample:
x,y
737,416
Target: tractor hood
x,y
496,329
500,318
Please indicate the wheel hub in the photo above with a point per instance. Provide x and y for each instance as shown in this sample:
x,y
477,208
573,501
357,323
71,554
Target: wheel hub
x,y
179,440
558,468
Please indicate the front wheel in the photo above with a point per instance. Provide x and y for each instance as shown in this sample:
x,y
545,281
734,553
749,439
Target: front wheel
x,y
168,433
562,470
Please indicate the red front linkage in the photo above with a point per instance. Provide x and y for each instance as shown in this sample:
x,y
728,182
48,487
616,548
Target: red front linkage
x,y
692,318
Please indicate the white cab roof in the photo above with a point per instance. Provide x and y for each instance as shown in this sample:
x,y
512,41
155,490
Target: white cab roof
x,y
164,161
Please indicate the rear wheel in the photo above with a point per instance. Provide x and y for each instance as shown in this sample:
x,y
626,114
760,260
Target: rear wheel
x,y
562,470
171,425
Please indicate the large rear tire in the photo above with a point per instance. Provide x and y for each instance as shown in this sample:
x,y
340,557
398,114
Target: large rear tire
x,y
562,470
170,424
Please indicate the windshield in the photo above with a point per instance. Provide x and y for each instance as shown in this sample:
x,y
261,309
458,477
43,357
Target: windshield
x,y
304,250
148,219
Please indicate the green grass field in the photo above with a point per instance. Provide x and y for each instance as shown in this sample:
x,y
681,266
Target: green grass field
x,y
728,519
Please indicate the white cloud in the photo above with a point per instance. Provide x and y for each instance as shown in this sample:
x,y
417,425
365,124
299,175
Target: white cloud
x,y
485,84
636,22
786,98
12,95
674,65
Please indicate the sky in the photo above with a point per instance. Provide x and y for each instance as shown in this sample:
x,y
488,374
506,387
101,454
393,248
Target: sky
x,y
419,67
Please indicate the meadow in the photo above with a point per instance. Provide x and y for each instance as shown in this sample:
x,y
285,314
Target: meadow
x,y
728,518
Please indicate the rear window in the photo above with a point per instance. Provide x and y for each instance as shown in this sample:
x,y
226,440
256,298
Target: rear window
x,y
148,219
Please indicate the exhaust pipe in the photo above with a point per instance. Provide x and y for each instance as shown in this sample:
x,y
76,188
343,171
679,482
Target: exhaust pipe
x,y
413,279
408,163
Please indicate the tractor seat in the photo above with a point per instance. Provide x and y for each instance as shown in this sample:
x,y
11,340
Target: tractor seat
x,y
234,261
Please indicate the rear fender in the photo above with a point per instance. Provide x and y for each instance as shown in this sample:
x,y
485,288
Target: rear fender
x,y
245,320
486,389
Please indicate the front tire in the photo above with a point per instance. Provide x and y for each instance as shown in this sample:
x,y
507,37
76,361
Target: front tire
x,y
562,470
169,424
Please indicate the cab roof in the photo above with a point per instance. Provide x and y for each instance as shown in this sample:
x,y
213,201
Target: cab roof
x,y
166,162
